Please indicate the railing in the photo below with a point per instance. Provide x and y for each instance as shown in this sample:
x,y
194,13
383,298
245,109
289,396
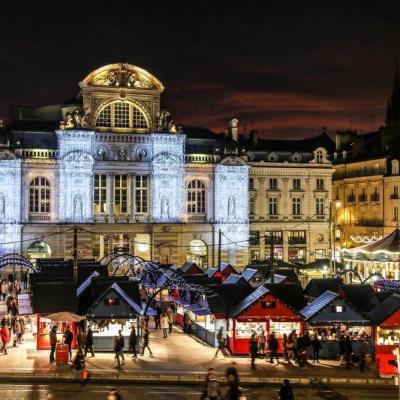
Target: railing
x,y
351,199
196,217
37,217
121,218
100,218
297,240
37,153
201,158
362,198
394,196
374,197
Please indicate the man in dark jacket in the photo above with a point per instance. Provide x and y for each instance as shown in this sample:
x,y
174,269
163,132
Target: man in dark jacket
x,y
68,337
119,344
273,348
133,342
253,351
146,342
286,391
89,341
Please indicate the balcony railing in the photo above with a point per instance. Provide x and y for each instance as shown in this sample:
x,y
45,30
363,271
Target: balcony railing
x,y
38,217
351,199
374,197
362,198
197,217
394,196
297,240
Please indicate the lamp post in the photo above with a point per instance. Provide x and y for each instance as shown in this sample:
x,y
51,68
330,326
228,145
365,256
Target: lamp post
x,y
332,228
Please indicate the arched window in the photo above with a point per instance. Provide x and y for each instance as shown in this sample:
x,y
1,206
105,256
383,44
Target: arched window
x,y
196,197
121,115
39,195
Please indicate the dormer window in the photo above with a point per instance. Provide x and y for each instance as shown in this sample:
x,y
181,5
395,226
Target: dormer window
x,y
122,115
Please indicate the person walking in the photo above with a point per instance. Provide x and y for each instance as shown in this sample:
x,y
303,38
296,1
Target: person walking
x,y
363,355
286,391
119,344
186,322
4,288
5,338
16,331
273,348
204,394
290,349
80,340
164,325
68,337
89,341
284,346
261,343
232,373
78,366
157,318
146,341
133,339
253,350
213,388
171,318
53,342
233,391
316,347
342,351
221,342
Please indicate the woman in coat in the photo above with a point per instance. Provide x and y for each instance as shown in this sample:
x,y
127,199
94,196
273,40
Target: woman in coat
x,y
164,325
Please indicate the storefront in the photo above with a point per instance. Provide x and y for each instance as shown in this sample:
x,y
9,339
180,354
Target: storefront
x,y
386,317
114,310
330,317
269,309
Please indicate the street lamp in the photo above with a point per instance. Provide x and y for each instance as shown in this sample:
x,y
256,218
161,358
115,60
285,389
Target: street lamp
x,y
332,221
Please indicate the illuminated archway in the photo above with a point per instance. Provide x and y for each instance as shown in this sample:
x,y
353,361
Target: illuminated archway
x,y
197,252
38,249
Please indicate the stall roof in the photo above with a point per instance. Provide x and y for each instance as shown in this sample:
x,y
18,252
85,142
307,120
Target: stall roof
x,y
385,309
49,297
291,294
362,296
316,287
248,301
225,266
189,267
318,304
248,273
235,278
211,272
86,283
277,278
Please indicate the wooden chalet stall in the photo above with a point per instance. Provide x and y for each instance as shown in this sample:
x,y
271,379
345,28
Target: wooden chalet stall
x,y
386,318
329,316
270,308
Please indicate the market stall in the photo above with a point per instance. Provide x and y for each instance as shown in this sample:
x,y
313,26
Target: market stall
x,y
330,317
112,311
386,318
271,308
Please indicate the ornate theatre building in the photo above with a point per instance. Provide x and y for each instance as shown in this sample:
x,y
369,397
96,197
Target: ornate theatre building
x,y
113,163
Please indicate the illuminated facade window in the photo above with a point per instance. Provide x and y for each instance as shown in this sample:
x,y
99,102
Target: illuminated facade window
x,y
196,197
319,156
100,246
273,206
141,194
120,194
319,204
296,206
100,194
39,196
121,115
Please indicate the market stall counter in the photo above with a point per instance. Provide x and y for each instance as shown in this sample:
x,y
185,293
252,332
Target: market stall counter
x,y
330,317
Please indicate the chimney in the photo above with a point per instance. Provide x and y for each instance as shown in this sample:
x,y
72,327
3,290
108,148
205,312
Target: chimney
x,y
254,137
233,129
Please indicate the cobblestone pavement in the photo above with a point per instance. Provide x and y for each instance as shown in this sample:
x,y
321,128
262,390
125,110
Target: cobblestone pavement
x,y
139,392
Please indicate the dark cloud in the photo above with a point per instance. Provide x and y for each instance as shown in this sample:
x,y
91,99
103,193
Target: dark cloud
x,y
287,68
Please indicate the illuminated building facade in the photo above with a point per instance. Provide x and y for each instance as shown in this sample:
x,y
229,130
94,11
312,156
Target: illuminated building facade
x,y
115,164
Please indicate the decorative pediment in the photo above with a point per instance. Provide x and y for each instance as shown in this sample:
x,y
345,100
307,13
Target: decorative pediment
x,y
122,75
233,161
167,159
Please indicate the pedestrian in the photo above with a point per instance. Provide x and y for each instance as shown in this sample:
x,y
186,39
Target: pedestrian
x,y
5,337
164,325
157,317
233,391
4,288
204,394
119,344
261,343
306,341
146,341
286,391
78,366
300,352
316,347
80,340
284,345
113,394
348,351
171,318
213,388
253,350
290,349
25,279
53,342
22,323
186,322
133,342
221,342
16,331
68,337
295,347
364,351
342,351
232,373
89,341
273,348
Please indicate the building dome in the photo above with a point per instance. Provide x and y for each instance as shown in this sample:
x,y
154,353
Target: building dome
x,y
122,75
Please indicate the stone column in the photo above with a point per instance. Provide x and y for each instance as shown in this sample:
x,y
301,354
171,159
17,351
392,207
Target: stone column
x,y
131,197
110,196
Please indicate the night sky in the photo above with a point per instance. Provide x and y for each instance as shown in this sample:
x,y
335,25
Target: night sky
x,y
286,68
